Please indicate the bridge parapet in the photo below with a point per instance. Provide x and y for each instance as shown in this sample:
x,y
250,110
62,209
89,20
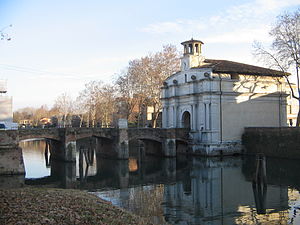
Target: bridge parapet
x,y
49,133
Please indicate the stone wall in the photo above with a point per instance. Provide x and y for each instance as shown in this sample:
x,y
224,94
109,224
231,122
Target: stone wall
x,y
281,142
11,159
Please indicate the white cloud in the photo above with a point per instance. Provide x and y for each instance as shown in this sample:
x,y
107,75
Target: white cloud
x,y
164,27
276,4
240,23
179,26
243,35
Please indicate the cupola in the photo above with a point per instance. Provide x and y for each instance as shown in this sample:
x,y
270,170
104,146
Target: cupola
x,y
192,56
192,47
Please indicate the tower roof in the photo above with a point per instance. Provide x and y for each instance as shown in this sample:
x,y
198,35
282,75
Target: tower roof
x,y
191,41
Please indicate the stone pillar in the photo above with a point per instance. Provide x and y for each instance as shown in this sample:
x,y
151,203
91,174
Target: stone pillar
x,y
164,117
175,116
63,149
11,158
201,116
171,114
207,116
70,151
215,120
122,145
123,173
194,117
69,178
169,148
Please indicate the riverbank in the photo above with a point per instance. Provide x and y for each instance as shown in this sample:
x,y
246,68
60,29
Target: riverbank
x,y
60,206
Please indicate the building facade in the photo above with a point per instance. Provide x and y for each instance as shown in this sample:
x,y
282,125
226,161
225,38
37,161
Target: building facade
x,y
216,99
292,106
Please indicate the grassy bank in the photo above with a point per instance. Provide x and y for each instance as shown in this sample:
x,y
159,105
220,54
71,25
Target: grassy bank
x,y
59,206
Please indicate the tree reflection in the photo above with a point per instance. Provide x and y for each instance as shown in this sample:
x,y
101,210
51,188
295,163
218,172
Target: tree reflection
x,y
146,201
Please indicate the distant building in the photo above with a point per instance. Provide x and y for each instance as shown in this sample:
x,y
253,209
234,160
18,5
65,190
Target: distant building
x,y
26,122
6,113
216,99
45,121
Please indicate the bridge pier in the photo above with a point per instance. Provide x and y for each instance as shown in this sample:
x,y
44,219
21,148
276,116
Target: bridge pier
x,y
70,151
117,148
169,167
11,158
169,147
122,145
63,151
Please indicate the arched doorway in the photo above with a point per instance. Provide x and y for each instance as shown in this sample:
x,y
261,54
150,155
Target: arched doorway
x,y
186,120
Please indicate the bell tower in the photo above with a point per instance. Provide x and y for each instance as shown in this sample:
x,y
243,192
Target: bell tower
x,y
191,54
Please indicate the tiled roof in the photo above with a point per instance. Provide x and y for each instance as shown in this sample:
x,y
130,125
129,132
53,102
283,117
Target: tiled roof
x,y
224,66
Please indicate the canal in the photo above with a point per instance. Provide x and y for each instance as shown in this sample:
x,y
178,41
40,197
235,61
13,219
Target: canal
x,y
185,190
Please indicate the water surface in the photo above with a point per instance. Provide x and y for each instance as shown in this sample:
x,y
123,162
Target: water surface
x,y
186,190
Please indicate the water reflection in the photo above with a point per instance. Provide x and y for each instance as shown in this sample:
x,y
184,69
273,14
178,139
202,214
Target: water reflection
x,y
185,190
34,158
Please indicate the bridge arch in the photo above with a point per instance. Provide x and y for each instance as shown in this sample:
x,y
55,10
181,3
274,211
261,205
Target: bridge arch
x,y
45,137
142,146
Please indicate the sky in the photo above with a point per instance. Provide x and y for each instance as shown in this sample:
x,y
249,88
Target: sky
x,y
57,46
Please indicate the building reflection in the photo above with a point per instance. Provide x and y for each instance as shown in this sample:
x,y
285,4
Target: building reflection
x,y
220,193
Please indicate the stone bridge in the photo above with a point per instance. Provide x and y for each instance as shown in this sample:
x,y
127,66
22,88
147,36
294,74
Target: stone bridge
x,y
110,142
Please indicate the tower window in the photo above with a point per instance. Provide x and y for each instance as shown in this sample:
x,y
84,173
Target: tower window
x,y
190,48
197,48
185,78
185,49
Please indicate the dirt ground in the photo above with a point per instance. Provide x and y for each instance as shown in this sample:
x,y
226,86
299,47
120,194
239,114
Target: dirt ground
x,y
60,206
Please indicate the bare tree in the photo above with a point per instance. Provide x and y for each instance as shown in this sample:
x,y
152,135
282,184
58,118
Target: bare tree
x,y
140,85
97,101
64,104
80,109
284,52
106,105
126,87
39,114
88,97
162,65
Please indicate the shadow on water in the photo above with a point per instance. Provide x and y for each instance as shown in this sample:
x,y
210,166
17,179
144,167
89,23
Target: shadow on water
x,y
182,190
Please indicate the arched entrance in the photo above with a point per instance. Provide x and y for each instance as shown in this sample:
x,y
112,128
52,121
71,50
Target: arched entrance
x,y
186,120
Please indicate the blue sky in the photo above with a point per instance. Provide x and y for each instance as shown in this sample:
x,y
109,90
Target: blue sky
x,y
58,46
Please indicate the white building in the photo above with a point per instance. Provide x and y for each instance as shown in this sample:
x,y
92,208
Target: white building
x,y
6,113
216,99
